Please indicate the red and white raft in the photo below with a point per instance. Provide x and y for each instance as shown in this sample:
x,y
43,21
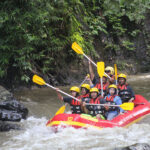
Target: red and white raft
x,y
141,110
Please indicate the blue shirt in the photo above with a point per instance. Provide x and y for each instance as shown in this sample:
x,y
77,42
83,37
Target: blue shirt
x,y
117,101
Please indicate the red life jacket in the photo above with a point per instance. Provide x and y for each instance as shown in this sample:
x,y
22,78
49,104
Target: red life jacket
x,y
105,86
98,85
75,106
124,93
110,98
75,102
84,96
94,110
122,87
95,101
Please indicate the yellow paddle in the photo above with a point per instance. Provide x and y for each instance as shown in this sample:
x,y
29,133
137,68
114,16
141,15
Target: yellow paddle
x,y
79,50
38,80
101,70
115,66
124,106
61,110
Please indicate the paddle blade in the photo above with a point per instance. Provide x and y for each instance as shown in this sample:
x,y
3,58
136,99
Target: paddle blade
x,y
77,48
100,68
61,110
115,66
38,80
127,106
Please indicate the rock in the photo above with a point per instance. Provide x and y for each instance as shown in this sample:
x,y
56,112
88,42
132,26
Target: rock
x,y
4,94
138,146
10,110
14,105
4,126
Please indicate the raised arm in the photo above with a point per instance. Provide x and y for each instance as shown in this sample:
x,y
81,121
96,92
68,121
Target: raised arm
x,y
92,75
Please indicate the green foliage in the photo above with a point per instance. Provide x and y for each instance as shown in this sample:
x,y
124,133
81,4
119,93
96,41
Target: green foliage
x,y
128,45
36,36
134,9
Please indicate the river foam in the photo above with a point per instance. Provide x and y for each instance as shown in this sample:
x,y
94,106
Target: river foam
x,y
36,136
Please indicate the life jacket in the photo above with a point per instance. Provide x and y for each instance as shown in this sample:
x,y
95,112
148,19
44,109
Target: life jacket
x,y
84,96
124,93
110,100
93,109
105,86
75,106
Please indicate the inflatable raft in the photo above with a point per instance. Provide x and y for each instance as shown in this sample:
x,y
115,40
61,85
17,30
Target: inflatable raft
x,y
141,109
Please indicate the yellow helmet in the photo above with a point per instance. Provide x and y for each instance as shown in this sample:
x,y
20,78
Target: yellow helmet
x,y
87,86
112,86
111,69
122,76
94,90
75,88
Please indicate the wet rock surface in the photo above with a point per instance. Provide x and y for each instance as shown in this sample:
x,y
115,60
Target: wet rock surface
x,y
6,126
10,110
138,146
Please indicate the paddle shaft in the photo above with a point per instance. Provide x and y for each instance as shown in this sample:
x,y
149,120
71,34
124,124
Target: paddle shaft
x,y
116,82
62,92
95,64
101,86
90,60
82,81
103,105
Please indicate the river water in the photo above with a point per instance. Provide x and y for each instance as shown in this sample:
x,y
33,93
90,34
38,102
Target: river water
x,y
43,103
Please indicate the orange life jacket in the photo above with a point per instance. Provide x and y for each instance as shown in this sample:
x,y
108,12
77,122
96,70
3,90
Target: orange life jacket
x,y
84,96
105,86
75,106
122,87
124,93
93,109
110,100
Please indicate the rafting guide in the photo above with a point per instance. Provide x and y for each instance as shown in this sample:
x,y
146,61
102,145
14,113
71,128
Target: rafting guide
x,y
125,91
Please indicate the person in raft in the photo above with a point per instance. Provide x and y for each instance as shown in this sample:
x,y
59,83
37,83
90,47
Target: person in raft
x,y
105,85
109,70
85,89
93,110
112,99
125,91
98,84
74,104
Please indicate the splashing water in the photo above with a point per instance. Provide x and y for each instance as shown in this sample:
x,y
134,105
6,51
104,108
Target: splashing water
x,y
36,136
